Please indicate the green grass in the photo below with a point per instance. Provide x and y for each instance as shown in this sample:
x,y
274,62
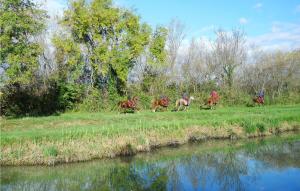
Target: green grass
x,y
103,130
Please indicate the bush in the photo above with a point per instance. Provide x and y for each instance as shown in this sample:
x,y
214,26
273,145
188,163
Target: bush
x,y
91,103
24,100
69,95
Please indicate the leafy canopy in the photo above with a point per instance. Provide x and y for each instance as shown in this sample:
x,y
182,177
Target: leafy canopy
x,y
114,37
20,22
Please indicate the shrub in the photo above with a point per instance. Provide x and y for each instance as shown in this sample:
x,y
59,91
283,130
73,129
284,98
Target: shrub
x,y
92,102
22,100
69,95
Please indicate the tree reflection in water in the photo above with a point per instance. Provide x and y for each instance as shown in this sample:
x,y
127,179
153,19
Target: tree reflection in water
x,y
231,168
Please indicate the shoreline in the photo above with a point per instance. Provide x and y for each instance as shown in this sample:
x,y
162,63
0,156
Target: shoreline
x,y
129,146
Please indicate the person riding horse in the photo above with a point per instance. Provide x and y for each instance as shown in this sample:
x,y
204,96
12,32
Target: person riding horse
x,y
162,101
130,103
184,102
214,98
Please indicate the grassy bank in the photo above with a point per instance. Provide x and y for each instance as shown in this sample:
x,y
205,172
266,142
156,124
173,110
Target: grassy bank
x,y
74,137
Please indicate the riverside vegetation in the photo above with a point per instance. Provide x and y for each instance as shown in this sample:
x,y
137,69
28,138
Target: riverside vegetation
x,y
59,91
72,137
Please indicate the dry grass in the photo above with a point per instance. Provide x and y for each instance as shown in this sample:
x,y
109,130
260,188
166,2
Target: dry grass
x,y
76,137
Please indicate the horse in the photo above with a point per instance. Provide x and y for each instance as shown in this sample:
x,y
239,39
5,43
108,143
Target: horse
x,y
211,101
183,103
161,102
259,100
129,104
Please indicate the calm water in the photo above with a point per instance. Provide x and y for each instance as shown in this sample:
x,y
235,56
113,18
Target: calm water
x,y
260,164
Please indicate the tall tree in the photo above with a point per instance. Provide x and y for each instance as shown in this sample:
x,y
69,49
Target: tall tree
x,y
20,22
229,53
114,39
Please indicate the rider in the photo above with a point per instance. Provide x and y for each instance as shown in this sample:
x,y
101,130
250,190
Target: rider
x,y
214,97
185,96
261,95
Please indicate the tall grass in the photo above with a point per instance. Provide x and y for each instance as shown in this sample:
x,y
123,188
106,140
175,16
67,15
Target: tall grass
x,y
56,135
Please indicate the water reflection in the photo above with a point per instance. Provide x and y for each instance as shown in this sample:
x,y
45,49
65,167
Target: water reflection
x,y
252,165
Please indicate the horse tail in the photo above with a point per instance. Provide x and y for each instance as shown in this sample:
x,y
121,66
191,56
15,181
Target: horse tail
x,y
153,105
177,104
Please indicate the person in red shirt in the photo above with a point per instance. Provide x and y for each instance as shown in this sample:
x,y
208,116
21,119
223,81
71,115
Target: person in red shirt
x,y
214,98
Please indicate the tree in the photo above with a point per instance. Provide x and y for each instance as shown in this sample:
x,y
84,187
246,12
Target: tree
x,y
157,47
68,58
113,37
176,34
20,22
229,53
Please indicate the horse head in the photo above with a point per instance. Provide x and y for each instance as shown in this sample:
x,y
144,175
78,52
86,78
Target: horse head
x,y
135,99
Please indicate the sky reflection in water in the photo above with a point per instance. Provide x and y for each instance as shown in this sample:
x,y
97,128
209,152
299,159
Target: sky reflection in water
x,y
271,164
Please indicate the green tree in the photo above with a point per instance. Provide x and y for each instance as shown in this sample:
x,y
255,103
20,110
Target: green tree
x,y
157,46
113,38
20,22
68,58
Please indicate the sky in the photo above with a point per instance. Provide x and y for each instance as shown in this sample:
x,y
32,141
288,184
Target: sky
x,y
270,24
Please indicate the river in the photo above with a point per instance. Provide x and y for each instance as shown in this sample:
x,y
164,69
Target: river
x,y
257,164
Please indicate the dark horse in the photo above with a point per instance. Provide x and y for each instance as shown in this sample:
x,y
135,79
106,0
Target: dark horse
x,y
259,100
129,104
161,102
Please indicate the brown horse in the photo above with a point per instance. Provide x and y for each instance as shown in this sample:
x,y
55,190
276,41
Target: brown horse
x,y
211,101
129,104
161,102
259,100
185,103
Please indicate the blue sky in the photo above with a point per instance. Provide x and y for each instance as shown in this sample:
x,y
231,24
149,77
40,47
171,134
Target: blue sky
x,y
268,23
256,17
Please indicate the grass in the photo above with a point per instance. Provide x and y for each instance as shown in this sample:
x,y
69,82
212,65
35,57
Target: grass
x,y
74,137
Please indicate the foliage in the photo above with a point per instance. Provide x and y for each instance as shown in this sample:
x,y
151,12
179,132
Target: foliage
x,y
113,37
18,100
105,54
68,58
20,22
69,94
92,102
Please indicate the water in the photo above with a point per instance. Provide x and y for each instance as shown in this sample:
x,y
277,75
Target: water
x,y
258,164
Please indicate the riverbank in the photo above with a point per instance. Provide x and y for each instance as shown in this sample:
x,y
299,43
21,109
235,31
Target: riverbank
x,y
73,137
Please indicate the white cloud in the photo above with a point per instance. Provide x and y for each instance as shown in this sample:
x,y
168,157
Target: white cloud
x,y
243,21
258,6
282,36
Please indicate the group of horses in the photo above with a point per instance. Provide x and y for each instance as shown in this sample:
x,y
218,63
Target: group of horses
x,y
163,103
180,104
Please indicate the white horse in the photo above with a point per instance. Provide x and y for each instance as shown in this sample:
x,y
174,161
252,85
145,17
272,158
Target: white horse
x,y
183,103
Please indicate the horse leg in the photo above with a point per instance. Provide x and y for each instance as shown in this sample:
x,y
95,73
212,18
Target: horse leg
x,y
185,108
154,109
176,106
